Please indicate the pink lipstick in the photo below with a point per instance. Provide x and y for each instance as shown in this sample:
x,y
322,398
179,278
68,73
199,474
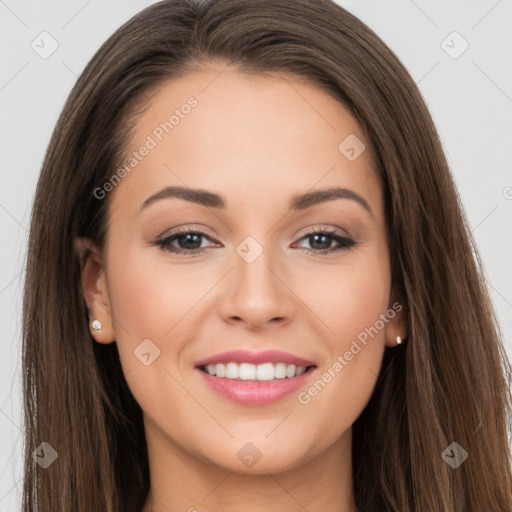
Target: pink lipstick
x,y
255,378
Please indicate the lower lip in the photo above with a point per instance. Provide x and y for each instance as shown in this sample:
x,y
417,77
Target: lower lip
x,y
250,392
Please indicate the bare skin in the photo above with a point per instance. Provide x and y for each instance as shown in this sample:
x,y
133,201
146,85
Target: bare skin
x,y
256,141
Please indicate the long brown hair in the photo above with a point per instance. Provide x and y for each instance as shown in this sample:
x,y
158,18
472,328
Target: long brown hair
x,y
450,380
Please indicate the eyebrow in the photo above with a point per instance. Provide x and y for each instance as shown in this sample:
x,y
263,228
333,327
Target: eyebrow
x,y
297,202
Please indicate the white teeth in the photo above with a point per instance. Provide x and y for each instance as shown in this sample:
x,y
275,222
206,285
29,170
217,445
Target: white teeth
x,y
280,370
265,371
248,371
232,371
290,370
220,370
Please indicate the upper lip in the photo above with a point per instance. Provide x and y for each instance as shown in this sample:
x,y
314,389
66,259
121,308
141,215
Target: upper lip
x,y
246,356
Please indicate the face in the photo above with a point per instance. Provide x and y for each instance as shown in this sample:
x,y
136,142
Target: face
x,y
298,290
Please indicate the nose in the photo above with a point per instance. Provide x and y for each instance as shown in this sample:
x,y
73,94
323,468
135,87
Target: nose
x,y
256,294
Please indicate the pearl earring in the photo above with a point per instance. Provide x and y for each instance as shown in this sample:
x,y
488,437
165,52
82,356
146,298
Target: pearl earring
x,y
96,326
398,340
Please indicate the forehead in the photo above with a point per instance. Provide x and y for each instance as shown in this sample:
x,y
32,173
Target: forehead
x,y
251,138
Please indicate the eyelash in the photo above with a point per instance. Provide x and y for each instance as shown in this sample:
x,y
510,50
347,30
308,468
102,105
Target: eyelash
x,y
345,243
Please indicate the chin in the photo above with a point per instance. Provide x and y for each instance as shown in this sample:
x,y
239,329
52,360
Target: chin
x,y
259,456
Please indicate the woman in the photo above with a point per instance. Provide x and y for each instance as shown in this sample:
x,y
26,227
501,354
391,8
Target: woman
x,y
251,283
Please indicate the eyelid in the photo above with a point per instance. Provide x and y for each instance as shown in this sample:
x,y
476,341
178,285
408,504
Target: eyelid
x,y
187,228
327,229
344,242
312,229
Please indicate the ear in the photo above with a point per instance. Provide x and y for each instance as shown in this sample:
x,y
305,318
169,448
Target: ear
x,y
398,321
95,290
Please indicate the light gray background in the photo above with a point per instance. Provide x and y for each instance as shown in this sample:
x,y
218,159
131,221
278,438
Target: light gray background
x,y
470,98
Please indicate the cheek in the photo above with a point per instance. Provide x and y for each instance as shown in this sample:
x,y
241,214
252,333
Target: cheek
x,y
148,294
350,297
354,311
363,308
362,298
148,300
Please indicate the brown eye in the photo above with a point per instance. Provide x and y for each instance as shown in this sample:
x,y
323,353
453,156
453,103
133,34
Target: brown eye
x,y
184,242
321,241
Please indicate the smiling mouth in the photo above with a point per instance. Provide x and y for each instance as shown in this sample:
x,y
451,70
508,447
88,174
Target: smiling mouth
x,y
255,372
